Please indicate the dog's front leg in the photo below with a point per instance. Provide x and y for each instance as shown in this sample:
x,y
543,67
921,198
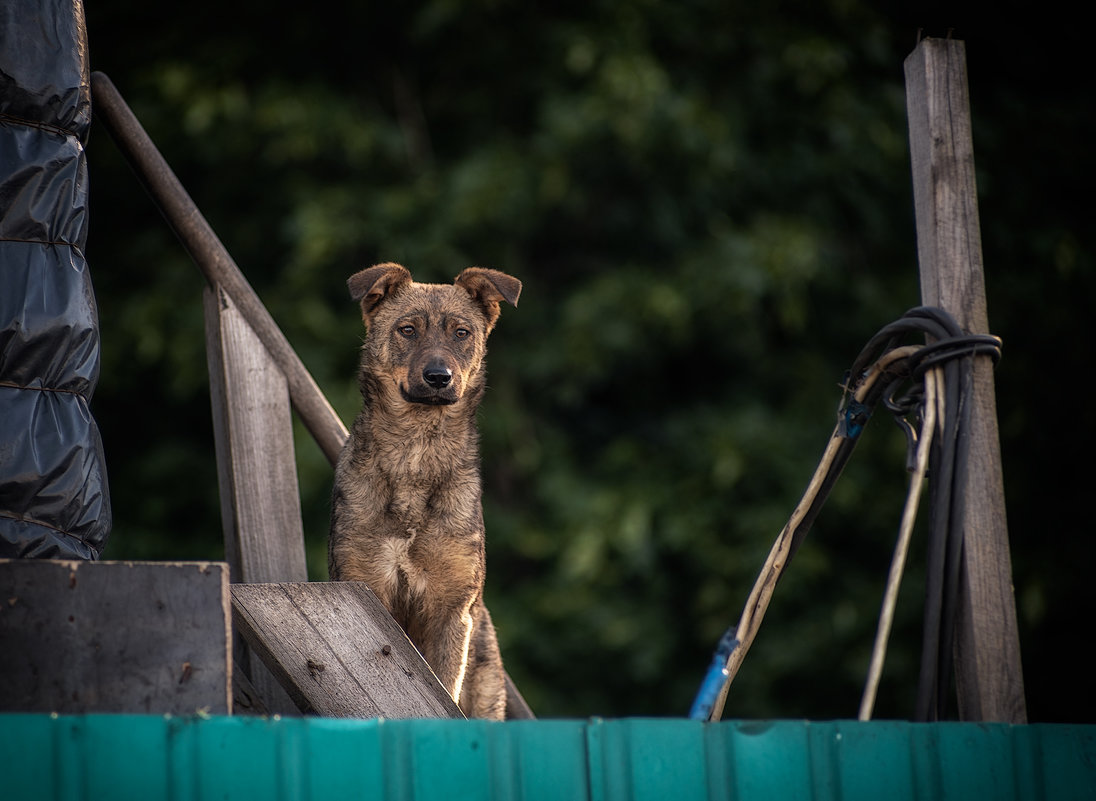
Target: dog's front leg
x,y
446,647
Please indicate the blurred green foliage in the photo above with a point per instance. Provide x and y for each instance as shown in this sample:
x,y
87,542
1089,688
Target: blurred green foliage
x,y
709,205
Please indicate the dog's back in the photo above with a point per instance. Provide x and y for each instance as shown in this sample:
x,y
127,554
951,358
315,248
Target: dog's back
x,y
406,511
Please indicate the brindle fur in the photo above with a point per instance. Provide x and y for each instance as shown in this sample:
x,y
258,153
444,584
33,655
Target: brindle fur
x,y
406,515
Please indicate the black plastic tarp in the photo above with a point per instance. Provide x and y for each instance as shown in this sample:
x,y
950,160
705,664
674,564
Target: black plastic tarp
x,y
54,500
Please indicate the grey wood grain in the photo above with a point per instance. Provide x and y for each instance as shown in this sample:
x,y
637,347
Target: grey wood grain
x,y
256,469
138,637
988,672
256,465
337,651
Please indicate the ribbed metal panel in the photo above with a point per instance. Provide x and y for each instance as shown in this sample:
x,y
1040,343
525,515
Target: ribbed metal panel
x,y
193,759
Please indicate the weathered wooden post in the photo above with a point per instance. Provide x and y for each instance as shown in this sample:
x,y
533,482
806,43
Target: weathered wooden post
x,y
256,472
987,648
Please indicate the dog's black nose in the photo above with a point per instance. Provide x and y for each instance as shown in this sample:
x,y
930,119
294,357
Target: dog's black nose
x,y
437,376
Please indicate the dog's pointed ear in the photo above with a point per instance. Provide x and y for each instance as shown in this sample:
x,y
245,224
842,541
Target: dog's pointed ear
x,y
490,288
370,286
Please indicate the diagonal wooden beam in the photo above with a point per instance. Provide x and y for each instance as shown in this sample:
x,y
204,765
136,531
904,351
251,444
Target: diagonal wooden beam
x,y
213,259
337,652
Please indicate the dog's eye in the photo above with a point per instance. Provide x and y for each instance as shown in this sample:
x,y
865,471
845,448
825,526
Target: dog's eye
x,y
461,333
407,330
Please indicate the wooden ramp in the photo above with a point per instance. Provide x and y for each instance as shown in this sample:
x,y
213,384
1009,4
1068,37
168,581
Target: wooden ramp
x,y
337,652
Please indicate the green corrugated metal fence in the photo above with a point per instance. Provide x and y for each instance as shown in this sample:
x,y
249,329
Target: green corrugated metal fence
x,y
193,759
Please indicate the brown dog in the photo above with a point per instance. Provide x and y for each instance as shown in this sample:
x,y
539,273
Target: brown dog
x,y
406,516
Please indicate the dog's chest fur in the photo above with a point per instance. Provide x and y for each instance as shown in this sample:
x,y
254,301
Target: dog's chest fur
x,y
415,502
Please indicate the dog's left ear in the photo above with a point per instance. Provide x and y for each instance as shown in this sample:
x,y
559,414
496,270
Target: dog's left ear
x,y
370,286
489,288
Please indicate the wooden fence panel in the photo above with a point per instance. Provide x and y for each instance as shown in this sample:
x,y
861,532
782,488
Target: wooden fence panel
x,y
141,637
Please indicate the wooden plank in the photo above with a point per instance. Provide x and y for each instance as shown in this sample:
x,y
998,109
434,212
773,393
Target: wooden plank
x,y
256,469
949,243
260,499
140,637
988,672
337,651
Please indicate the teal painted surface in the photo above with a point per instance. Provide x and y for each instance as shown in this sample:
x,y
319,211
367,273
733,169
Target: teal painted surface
x,y
194,759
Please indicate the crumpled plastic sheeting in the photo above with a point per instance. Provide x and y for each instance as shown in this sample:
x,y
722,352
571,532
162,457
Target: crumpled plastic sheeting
x,y
54,498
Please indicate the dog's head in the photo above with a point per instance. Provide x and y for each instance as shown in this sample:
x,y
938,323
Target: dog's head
x,y
426,342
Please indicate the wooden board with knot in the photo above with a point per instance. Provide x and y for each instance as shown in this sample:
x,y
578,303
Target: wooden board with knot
x,y
337,652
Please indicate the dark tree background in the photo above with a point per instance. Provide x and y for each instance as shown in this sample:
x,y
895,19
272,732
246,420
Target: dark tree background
x,y
709,204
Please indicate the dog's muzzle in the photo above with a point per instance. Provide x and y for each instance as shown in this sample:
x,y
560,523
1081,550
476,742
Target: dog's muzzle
x,y
435,389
